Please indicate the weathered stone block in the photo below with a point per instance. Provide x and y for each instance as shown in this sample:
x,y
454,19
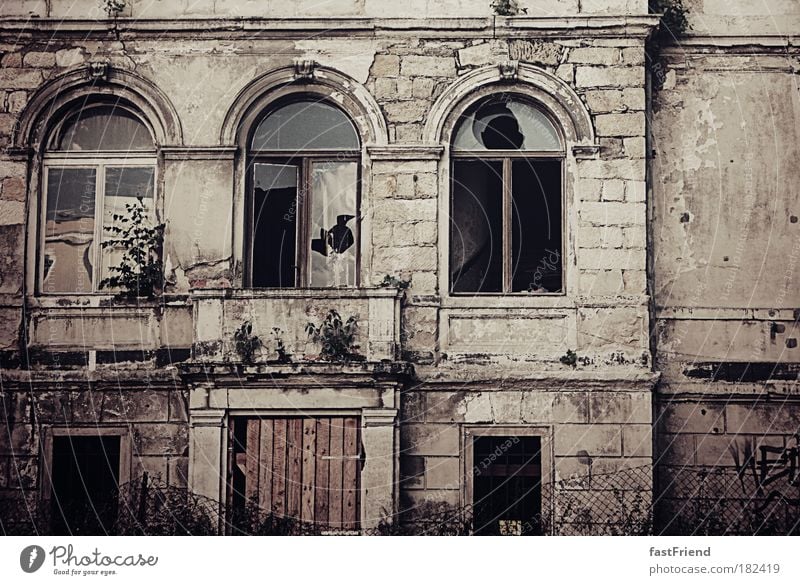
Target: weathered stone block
x,y
11,60
612,213
633,170
540,52
408,111
385,66
38,59
430,439
70,57
17,100
774,418
592,440
620,407
426,185
445,406
486,53
12,212
614,190
637,440
594,76
693,417
161,439
602,282
425,66
20,78
422,87
594,55
635,147
620,124
385,88
442,473
633,56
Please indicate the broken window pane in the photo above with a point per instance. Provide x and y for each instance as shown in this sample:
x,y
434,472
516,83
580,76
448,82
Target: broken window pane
x,y
122,187
306,125
334,224
507,485
85,485
476,227
69,230
536,226
103,128
508,124
275,209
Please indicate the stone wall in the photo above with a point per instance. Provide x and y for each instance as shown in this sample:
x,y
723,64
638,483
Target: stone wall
x,y
595,414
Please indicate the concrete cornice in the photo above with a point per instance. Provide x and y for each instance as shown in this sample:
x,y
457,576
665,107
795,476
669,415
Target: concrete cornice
x,y
630,26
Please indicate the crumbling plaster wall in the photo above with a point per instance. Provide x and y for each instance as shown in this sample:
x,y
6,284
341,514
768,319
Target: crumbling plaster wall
x,y
726,249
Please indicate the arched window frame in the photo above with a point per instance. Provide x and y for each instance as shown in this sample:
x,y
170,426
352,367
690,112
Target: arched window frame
x,y
100,161
304,160
572,117
506,157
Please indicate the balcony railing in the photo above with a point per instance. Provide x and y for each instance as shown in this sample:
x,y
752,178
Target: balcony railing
x,y
281,315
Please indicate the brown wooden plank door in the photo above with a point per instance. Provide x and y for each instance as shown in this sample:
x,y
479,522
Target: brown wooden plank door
x,y
304,468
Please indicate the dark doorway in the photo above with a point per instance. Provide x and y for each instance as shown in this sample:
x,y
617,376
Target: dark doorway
x,y
507,485
85,480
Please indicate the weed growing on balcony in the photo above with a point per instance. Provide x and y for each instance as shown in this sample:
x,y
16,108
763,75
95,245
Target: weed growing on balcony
x,y
336,336
246,344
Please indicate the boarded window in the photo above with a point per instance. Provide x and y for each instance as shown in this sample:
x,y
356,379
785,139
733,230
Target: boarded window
x,y
301,468
85,484
507,485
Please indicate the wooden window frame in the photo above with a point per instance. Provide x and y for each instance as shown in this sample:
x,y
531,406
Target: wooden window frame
x,y
304,162
507,157
97,161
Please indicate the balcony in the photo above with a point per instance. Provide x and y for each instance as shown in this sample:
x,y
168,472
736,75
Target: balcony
x,y
281,315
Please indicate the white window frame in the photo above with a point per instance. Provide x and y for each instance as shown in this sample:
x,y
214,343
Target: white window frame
x,y
98,160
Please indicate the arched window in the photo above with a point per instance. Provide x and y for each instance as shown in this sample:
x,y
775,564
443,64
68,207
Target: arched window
x,y
303,177
506,225
99,157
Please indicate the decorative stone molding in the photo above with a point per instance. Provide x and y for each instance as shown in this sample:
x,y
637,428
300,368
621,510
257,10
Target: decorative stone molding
x,y
586,151
508,70
405,152
348,93
78,83
97,71
198,152
554,94
304,69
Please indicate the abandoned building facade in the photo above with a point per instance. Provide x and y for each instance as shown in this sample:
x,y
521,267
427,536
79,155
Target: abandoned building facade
x,y
415,256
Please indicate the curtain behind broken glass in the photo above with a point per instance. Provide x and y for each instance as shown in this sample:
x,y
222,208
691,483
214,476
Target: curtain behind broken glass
x,y
103,128
306,125
506,207
506,124
334,224
69,230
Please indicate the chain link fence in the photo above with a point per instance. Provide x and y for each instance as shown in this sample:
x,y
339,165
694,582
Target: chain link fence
x,y
685,501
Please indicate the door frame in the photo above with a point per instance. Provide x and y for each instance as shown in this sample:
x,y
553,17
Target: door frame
x,y
545,434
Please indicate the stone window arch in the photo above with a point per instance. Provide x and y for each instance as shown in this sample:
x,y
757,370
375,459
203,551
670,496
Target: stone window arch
x,y
541,106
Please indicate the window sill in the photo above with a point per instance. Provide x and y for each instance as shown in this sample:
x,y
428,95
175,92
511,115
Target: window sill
x,y
510,301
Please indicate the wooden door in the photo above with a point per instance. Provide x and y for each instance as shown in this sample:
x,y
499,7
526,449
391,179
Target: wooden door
x,y
304,468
